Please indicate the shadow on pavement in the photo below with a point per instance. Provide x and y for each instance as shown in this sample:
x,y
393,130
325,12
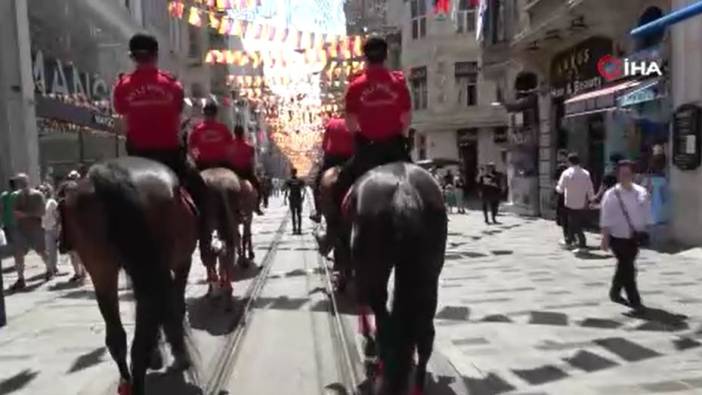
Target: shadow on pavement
x,y
210,315
66,285
660,320
87,360
440,385
17,382
170,383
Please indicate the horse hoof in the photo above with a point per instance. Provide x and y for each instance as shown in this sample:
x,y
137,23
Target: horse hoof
x,y
156,362
124,388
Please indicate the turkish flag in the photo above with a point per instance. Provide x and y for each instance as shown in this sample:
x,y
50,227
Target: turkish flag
x,y
442,6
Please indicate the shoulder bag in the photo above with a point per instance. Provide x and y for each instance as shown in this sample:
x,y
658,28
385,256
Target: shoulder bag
x,y
643,239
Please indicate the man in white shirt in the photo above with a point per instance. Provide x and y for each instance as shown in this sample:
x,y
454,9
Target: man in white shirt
x,y
626,208
576,186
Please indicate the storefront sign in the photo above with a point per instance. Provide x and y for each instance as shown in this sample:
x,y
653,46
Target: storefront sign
x,y
636,97
53,76
575,70
687,123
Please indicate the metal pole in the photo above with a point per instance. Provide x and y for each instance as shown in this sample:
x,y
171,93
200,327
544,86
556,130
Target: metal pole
x,y
668,20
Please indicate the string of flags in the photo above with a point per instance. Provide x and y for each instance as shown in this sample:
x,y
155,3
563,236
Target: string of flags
x,y
229,4
333,45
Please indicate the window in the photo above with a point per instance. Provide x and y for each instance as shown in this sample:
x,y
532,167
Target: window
x,y
465,17
419,18
421,146
418,81
466,74
197,91
194,41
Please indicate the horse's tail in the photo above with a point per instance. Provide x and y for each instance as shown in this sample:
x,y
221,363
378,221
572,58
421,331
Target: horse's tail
x,y
128,229
408,213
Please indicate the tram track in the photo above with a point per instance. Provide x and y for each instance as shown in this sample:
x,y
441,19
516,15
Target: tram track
x,y
221,369
318,277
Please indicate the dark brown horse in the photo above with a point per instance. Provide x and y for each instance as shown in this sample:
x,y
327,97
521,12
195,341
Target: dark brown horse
x,y
342,262
131,213
396,220
224,190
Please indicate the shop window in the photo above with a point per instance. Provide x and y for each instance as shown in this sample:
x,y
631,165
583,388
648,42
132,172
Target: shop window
x,y
418,82
465,17
419,18
422,146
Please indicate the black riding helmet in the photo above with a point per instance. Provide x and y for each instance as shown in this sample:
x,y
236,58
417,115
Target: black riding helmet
x,y
375,49
210,109
143,47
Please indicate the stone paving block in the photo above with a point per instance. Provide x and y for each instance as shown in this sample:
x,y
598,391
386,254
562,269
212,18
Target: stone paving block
x,y
488,385
540,375
453,313
600,323
589,362
548,318
627,350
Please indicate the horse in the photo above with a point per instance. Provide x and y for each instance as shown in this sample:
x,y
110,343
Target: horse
x,y
223,190
248,200
396,219
342,263
132,213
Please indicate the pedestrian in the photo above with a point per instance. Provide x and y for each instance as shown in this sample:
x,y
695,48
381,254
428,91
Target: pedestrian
x,y
576,186
295,190
7,217
610,177
490,187
459,186
29,208
50,224
561,212
69,186
624,217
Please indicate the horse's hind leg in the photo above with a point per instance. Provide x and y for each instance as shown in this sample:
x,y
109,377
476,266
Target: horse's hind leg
x,y
105,284
145,339
174,315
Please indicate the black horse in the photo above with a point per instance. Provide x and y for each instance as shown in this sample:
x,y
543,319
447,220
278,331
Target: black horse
x,y
398,220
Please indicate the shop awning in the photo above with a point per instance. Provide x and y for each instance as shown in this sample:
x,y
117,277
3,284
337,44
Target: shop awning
x,y
668,20
596,101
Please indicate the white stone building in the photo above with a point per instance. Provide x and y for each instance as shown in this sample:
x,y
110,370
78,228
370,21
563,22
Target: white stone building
x,y
454,114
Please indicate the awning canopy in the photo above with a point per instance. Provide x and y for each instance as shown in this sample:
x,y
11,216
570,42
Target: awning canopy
x,y
645,92
599,100
672,18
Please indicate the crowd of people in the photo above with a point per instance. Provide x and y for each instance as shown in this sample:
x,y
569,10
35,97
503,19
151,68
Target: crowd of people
x,y
31,222
490,190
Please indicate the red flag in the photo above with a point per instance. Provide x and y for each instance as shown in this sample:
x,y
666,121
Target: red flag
x,y
473,3
442,6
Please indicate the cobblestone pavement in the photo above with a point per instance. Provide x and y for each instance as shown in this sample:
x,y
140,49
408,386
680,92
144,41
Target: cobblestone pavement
x,y
518,314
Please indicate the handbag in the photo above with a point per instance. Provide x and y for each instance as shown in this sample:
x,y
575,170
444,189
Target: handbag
x,y
643,239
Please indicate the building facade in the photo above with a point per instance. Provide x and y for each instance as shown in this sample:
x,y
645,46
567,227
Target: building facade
x,y
574,94
454,116
68,56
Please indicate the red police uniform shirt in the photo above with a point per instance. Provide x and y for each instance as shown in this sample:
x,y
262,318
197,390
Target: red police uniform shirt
x,y
241,154
208,142
151,101
338,140
378,97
